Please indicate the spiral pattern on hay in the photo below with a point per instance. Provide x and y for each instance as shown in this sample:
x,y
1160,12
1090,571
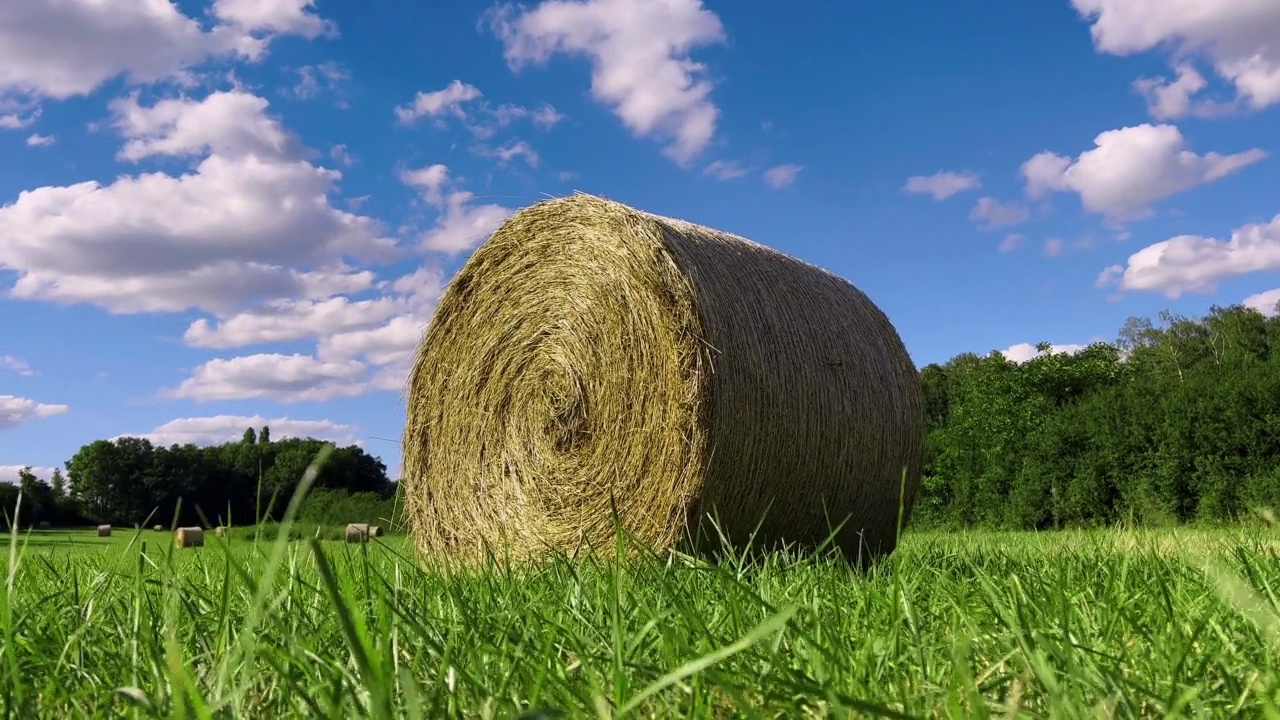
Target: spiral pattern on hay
x,y
590,356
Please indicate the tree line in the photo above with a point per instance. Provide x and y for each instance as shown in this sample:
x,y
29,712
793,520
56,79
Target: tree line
x,y
1176,421
130,480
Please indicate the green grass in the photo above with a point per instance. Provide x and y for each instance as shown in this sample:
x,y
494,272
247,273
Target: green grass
x,y
1167,623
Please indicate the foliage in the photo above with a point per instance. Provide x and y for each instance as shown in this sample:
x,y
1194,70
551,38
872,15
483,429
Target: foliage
x,y
1174,422
128,480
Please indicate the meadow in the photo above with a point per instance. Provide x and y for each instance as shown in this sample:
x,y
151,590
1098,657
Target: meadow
x,y
1109,623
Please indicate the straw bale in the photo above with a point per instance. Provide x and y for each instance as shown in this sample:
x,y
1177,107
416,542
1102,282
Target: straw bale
x,y
220,531
158,528
375,530
189,537
589,355
104,531
357,532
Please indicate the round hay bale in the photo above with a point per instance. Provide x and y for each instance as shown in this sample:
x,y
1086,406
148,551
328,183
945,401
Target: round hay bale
x,y
189,537
220,531
157,528
357,532
43,525
590,355
104,531
375,530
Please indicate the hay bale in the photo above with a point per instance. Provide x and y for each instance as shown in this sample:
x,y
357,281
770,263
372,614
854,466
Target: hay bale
x,y
588,350
157,528
220,531
104,531
186,537
43,525
375,530
357,532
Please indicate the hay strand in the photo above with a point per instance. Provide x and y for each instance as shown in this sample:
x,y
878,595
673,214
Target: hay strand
x,y
186,537
589,353
104,531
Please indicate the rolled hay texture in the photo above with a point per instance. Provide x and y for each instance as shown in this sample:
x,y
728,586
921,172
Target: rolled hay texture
x,y
189,537
589,355
357,532
104,531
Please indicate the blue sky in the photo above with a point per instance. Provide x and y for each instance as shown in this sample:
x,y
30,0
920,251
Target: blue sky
x,y
215,214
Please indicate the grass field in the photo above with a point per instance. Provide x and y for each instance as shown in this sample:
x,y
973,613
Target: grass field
x,y
1082,624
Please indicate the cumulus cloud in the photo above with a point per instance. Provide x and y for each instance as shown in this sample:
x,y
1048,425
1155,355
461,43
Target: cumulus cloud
x,y
144,41
316,80
38,140
990,213
725,169
1236,37
1130,169
9,473
1195,264
513,150
639,52
1011,242
461,224
273,376
15,411
780,176
942,185
448,100
218,429
16,365
251,222
1267,303
1022,352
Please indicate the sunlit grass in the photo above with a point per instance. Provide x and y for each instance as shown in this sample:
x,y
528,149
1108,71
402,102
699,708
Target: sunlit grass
x,y
1065,624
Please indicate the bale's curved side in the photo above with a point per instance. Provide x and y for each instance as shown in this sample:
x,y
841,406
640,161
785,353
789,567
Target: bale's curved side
x,y
186,537
591,356
104,531
357,532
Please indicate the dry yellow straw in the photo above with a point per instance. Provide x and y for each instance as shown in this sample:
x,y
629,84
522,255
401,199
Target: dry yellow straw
x,y
589,352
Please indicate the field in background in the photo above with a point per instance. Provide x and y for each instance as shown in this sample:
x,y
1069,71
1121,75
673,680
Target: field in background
x,y
1180,622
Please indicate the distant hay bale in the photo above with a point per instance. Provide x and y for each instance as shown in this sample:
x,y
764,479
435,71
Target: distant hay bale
x,y
43,525
104,531
357,532
375,530
189,537
590,352
158,528
220,531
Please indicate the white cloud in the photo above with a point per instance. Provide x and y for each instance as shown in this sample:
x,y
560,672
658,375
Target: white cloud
x,y
145,40
285,320
1130,169
273,16
340,153
1011,242
1053,247
9,473
16,410
430,181
1237,37
942,185
439,102
546,117
1022,352
1190,263
463,225
992,213
725,169
282,378
231,124
17,365
315,80
218,429
1168,99
516,149
38,140
251,222
639,54
1267,303
780,176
